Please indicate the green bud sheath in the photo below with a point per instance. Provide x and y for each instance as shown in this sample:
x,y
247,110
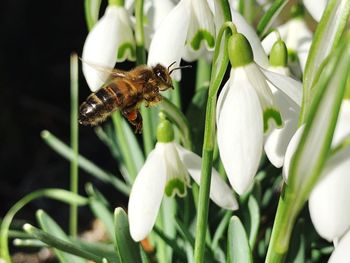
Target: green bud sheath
x,y
279,54
240,52
165,131
116,2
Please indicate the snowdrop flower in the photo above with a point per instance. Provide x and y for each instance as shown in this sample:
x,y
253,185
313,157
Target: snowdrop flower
x,y
187,32
109,41
277,140
167,170
330,196
297,37
245,109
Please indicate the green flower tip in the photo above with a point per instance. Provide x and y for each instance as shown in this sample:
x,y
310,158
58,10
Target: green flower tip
x,y
165,131
124,49
200,35
175,186
239,51
297,10
279,54
273,114
116,2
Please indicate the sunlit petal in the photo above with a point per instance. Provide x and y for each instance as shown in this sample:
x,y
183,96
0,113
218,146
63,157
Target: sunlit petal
x,y
220,192
329,200
146,196
240,132
168,42
221,99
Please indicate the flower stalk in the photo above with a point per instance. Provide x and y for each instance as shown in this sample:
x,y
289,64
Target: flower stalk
x,y
73,216
209,137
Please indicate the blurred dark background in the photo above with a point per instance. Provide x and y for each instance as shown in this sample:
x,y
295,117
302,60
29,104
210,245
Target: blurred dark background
x,y
37,38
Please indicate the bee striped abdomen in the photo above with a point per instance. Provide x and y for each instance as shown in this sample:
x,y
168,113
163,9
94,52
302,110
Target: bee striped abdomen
x,y
99,105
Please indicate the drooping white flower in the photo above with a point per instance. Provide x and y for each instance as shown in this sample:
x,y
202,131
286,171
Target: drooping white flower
x,y
244,110
277,140
109,41
167,170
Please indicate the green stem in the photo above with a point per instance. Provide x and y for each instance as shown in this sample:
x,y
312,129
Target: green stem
x,y
176,95
287,211
73,216
125,150
147,133
220,62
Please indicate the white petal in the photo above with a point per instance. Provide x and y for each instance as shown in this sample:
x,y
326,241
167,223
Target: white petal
x,y
315,8
222,98
296,33
341,252
146,196
220,192
329,201
292,146
168,42
240,132
277,142
102,43
248,31
342,129
291,87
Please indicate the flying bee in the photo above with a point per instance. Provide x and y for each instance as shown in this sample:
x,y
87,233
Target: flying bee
x,y
126,90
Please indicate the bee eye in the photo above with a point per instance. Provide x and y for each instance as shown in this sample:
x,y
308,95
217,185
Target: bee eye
x,y
161,75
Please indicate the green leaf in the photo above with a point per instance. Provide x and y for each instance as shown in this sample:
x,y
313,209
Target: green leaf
x,y
58,243
85,164
315,142
220,230
50,226
53,193
238,249
326,38
127,249
269,17
92,9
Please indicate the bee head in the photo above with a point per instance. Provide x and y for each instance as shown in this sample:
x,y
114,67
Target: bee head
x,y
163,76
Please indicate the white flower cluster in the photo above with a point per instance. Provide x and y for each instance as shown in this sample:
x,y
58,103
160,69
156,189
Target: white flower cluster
x,y
257,110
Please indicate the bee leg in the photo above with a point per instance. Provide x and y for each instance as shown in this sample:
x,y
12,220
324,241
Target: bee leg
x,y
135,118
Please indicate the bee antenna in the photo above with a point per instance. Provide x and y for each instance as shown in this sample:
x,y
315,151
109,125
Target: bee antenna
x,y
187,66
171,65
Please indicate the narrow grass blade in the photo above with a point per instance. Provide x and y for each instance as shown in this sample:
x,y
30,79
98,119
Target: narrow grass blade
x,y
60,244
50,226
88,166
53,193
92,9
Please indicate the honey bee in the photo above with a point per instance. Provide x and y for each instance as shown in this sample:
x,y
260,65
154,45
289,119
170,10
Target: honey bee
x,y
126,90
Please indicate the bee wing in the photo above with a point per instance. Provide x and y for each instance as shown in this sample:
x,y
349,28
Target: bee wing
x,y
114,73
